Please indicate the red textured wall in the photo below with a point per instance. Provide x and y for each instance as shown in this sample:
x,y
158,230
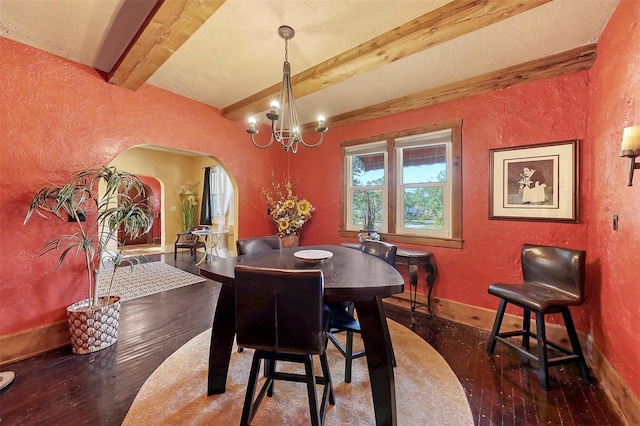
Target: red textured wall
x,y
614,305
552,110
58,116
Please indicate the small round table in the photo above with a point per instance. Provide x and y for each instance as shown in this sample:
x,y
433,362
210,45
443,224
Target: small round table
x,y
211,241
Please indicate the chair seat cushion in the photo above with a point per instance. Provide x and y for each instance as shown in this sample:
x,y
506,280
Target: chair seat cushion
x,y
533,296
341,319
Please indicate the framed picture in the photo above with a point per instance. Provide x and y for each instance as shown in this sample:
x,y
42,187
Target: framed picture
x,y
534,182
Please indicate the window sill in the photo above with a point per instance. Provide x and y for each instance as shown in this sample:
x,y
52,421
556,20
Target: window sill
x,y
410,239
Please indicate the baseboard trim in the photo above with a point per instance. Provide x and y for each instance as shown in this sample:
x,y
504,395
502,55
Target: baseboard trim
x,y
620,395
27,343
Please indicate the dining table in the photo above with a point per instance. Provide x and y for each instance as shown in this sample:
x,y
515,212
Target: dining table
x,y
349,275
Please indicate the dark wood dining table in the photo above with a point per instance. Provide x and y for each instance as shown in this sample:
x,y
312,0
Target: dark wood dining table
x,y
349,275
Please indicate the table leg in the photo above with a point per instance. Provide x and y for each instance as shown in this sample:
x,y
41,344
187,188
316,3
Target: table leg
x,y
222,334
375,334
206,250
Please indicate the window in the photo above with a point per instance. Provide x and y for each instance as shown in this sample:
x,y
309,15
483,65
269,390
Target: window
x,y
405,185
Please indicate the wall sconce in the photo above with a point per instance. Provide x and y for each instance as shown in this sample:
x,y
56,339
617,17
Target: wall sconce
x,y
631,148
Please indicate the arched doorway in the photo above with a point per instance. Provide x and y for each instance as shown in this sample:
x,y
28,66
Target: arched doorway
x,y
171,169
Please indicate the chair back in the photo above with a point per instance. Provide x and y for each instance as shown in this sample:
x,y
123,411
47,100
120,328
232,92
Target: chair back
x,y
280,310
381,250
555,267
198,228
258,244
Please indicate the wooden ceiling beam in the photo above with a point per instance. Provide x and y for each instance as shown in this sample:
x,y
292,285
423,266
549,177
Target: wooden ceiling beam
x,y
167,27
445,23
579,59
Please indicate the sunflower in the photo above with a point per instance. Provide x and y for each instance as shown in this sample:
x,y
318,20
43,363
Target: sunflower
x,y
289,204
283,224
304,207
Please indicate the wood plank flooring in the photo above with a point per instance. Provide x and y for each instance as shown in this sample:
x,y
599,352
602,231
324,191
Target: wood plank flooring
x,y
58,388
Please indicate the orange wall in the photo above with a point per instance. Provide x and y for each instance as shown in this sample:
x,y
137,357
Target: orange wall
x,y
61,116
614,303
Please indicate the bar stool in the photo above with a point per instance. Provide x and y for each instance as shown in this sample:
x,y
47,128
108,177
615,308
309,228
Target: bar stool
x,y
553,280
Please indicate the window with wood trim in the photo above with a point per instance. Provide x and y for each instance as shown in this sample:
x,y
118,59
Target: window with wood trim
x,y
406,185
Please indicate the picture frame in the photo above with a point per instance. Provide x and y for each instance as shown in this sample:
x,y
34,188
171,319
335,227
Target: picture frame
x,y
534,182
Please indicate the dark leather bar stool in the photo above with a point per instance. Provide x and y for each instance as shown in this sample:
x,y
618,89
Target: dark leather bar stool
x,y
553,280
342,319
257,245
281,314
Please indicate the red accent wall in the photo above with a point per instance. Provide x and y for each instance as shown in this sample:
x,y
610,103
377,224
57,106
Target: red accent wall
x,y
552,110
58,116
614,300
61,116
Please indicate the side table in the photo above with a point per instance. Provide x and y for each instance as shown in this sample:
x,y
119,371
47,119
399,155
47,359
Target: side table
x,y
413,259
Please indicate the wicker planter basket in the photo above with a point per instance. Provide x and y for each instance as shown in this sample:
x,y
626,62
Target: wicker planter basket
x,y
95,328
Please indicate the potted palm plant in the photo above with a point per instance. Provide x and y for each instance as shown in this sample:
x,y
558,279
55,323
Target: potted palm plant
x,y
100,201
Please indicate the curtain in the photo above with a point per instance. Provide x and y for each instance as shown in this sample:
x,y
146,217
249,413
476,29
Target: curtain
x,y
225,206
205,211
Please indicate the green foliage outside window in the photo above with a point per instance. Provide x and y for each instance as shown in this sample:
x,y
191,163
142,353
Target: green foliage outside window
x,y
424,207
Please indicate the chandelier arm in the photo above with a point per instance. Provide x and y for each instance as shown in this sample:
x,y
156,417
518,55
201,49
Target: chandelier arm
x,y
312,145
261,146
276,134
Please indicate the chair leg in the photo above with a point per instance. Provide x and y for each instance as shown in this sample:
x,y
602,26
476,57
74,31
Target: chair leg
x,y
248,409
526,328
327,378
575,343
543,370
348,357
496,326
311,391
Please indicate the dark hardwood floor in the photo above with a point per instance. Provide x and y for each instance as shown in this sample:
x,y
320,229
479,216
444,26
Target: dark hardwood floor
x,y
58,388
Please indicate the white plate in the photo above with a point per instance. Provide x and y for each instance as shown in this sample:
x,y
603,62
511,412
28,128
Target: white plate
x,y
313,256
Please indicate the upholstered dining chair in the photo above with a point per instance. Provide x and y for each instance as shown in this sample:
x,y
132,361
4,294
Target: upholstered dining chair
x,y
553,280
258,244
189,240
342,319
281,315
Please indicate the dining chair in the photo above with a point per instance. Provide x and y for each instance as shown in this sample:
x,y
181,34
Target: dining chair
x,y
258,244
281,315
553,279
342,319
189,240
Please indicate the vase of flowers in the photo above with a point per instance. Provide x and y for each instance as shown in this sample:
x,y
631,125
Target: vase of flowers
x,y
188,205
288,211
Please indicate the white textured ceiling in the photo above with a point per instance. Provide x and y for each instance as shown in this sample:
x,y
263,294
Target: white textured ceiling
x,y
238,52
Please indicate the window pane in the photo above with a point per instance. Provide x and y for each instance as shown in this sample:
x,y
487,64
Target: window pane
x,y
424,208
367,169
424,164
367,208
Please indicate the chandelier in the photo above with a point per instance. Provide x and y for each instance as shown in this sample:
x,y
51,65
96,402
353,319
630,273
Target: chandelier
x,y
285,127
